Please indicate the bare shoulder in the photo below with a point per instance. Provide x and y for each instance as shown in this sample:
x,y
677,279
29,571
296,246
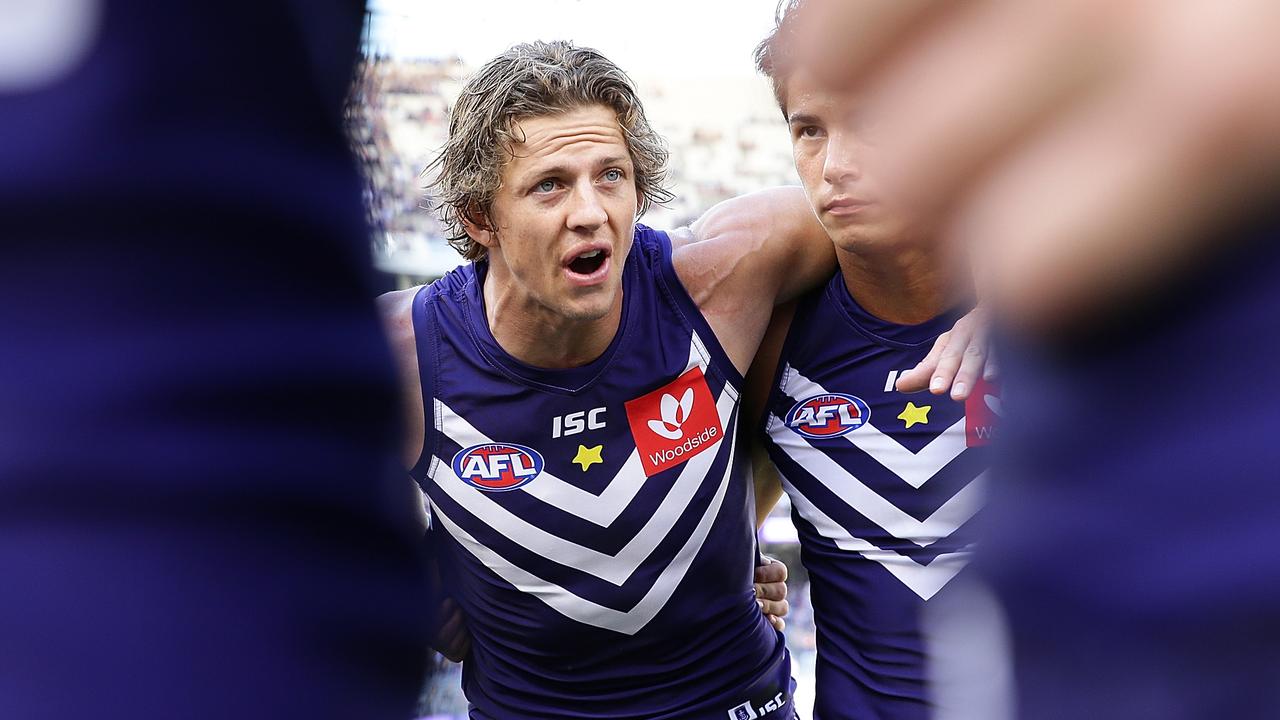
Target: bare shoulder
x,y
712,251
680,237
746,255
396,303
757,243
396,311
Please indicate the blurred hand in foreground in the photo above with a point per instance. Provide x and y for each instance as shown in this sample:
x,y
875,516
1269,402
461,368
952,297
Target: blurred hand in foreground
x,y
1083,150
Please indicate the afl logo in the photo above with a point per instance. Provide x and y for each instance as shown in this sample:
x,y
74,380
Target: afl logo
x,y
828,416
497,467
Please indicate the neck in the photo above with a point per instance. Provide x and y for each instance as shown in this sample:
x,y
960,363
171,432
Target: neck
x,y
535,334
906,287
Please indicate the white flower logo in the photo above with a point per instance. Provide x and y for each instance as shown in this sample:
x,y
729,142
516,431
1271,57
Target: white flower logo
x,y
993,402
674,413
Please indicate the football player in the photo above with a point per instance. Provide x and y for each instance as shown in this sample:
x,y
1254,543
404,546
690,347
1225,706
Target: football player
x,y
883,484
574,402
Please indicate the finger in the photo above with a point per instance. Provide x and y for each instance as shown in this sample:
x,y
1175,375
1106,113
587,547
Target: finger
x,y
991,369
952,355
450,630
776,608
918,377
453,622
454,642
778,623
453,627
971,364
771,591
458,651
772,571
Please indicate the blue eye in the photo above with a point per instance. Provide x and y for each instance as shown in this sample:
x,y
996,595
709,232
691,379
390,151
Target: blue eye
x,y
545,186
613,175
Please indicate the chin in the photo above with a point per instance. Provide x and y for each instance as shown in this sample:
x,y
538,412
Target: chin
x,y
868,238
588,309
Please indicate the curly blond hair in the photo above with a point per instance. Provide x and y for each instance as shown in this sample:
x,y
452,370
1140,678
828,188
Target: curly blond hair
x,y
532,80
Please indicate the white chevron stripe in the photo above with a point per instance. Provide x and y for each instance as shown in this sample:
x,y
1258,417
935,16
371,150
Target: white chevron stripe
x,y
584,611
914,468
923,580
854,493
602,509
612,568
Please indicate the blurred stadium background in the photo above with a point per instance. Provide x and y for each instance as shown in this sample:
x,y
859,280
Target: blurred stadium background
x,y
694,72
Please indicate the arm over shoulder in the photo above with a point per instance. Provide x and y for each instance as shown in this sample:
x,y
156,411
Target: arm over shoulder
x,y
745,256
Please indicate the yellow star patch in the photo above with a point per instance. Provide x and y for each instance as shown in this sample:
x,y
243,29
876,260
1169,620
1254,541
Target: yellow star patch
x,y
912,414
588,456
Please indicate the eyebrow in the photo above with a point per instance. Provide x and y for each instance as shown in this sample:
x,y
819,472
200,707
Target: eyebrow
x,y
559,170
800,117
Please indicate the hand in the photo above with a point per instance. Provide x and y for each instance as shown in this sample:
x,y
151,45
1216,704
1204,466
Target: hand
x,y
451,638
1084,151
957,358
771,591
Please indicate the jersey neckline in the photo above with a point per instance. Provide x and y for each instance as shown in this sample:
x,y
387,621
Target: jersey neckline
x,y
885,332
562,380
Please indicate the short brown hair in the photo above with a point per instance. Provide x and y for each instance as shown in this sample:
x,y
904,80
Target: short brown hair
x,y
533,80
774,54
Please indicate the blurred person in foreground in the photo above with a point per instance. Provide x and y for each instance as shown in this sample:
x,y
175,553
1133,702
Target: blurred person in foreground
x,y
883,484
200,510
1114,166
574,400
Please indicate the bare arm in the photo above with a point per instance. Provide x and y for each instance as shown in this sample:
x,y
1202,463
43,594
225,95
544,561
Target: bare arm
x,y
755,398
767,481
397,321
450,636
745,256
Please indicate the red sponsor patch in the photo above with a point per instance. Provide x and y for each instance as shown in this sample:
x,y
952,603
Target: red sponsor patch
x,y
674,422
982,412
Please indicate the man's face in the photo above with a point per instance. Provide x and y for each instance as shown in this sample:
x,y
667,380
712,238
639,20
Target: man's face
x,y
833,142
565,212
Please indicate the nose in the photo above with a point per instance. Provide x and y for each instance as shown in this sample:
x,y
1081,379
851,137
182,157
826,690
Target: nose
x,y
842,162
586,212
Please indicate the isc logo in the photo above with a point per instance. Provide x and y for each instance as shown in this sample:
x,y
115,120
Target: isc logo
x,y
497,467
577,422
745,711
828,416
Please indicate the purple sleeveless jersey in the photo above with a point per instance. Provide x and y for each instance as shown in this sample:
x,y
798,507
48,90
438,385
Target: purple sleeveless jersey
x,y
883,486
594,523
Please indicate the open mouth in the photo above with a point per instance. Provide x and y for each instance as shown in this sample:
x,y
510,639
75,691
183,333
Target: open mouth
x,y
588,262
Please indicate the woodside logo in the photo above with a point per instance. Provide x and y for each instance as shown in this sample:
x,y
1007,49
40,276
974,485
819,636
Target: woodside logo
x,y
675,422
982,413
